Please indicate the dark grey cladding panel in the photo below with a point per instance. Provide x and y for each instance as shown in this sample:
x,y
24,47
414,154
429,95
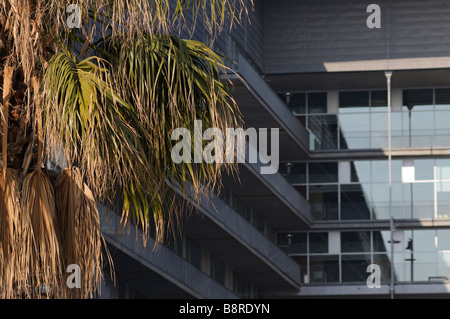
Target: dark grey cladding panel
x,y
163,261
249,33
299,36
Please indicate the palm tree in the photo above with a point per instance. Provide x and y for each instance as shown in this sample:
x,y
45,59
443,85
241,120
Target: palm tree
x,y
100,101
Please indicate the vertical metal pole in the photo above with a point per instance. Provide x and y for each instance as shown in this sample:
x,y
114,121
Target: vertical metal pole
x,y
388,75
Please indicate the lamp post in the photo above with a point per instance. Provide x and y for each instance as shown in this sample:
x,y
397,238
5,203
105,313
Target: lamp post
x,y
388,75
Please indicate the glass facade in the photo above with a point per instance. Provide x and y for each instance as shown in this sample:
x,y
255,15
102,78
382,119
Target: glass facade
x,y
419,255
359,190
361,119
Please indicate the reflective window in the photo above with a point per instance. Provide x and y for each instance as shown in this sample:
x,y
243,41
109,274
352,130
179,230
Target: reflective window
x,y
379,100
442,99
423,240
378,128
380,171
324,202
354,267
423,200
360,171
301,103
419,255
380,201
443,239
443,199
355,242
418,99
362,120
317,102
357,101
355,130
318,242
424,266
380,241
354,202
323,132
443,169
294,243
324,268
295,173
443,265
384,262
424,169
325,172
296,102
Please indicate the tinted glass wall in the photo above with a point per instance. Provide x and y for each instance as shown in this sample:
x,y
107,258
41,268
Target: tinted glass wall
x,y
343,256
359,190
361,119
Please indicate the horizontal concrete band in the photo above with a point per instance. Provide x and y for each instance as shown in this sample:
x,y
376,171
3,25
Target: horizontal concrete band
x,y
388,64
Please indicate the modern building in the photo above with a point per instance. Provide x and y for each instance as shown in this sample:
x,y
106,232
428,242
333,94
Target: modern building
x,y
364,179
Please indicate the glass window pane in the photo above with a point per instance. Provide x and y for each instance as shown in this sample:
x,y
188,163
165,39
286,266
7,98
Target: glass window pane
x,y
425,268
380,201
443,169
444,265
379,131
396,170
354,130
354,202
326,172
379,100
357,101
380,171
442,134
380,240
324,202
422,123
360,171
323,132
295,173
424,169
398,137
402,206
443,238
442,99
296,242
383,260
355,242
418,99
423,240
317,102
443,199
423,203
318,242
324,268
418,129
354,267
296,102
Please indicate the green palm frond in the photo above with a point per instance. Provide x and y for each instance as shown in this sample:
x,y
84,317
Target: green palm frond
x,y
171,83
95,127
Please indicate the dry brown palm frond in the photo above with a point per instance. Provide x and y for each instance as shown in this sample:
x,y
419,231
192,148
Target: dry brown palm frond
x,y
79,222
15,247
38,202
